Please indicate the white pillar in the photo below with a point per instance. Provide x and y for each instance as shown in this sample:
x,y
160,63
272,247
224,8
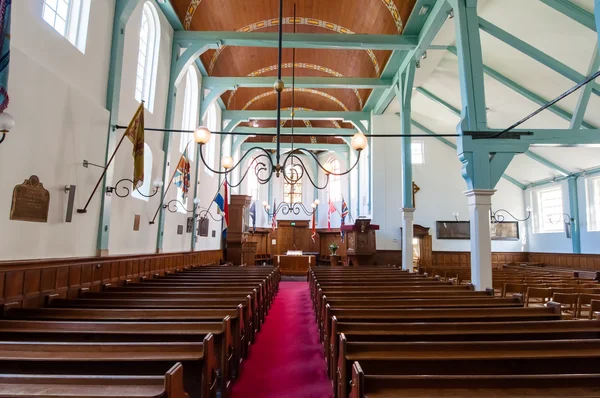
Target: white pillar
x,y
407,239
480,205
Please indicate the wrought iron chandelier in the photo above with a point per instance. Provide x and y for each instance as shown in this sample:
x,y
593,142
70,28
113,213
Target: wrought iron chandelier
x,y
262,164
496,217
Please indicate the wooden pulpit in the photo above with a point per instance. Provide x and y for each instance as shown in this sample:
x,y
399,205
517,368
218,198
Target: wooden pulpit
x,y
238,229
361,245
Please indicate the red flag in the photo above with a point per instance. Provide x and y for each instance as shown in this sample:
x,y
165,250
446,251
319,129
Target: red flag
x,y
274,222
226,205
331,209
314,228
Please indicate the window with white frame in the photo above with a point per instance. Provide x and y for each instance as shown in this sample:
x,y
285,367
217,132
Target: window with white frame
x,y
190,112
69,18
549,209
417,150
145,188
253,188
212,124
145,82
335,182
592,193
292,191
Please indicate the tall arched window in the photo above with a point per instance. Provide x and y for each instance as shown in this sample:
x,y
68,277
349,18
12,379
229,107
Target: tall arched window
x,y
292,192
335,182
145,83
69,18
147,185
190,112
252,181
211,123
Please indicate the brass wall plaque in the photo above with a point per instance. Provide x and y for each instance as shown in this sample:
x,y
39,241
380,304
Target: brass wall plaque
x,y
30,201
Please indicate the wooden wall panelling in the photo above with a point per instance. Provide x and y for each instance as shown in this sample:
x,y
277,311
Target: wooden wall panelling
x,y
327,237
27,283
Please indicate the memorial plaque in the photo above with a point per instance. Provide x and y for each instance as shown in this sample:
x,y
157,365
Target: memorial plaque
x,y
136,222
30,201
203,227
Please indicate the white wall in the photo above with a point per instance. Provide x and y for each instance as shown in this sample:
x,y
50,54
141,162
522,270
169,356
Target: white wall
x,y
441,194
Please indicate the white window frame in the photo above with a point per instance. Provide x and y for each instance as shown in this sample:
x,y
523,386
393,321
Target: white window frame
x,y
335,182
421,153
148,51
211,122
592,195
542,216
146,187
74,16
190,112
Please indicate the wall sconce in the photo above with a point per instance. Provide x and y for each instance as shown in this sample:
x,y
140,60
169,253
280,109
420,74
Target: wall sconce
x,y
567,219
499,218
7,123
175,201
455,215
157,184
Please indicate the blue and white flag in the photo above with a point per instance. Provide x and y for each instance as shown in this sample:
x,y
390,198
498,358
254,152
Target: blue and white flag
x,y
221,201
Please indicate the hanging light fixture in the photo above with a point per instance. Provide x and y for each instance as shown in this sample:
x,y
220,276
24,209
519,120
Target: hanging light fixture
x,y
263,165
7,123
496,218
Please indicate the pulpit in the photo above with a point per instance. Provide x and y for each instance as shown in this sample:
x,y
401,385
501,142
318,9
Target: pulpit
x,y
238,246
360,241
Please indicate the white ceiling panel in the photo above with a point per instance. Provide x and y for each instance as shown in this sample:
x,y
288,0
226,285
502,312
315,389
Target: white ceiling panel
x,y
572,159
527,170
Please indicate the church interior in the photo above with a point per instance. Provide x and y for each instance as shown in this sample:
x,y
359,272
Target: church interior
x,y
300,198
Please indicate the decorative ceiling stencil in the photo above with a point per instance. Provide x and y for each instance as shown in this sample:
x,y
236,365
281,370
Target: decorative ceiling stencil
x,y
290,21
301,65
189,13
395,13
299,90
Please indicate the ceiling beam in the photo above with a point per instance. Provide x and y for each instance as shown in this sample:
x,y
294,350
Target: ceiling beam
x,y
585,94
285,145
573,11
300,115
302,82
215,39
305,131
529,154
553,180
526,93
534,53
169,12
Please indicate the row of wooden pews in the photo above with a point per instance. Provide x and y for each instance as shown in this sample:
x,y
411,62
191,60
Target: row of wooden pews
x,y
180,334
388,333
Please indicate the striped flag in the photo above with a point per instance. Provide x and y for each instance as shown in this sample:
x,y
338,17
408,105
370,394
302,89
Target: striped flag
x,y
314,227
344,214
182,174
222,202
274,219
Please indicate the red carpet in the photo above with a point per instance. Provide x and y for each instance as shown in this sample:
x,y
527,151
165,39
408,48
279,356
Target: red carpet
x,y
286,361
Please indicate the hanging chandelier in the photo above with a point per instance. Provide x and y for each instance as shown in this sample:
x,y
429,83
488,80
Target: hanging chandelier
x,y
262,163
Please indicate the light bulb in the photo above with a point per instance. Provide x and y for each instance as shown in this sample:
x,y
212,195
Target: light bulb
x,y
267,207
529,209
196,201
157,183
359,141
415,241
314,205
227,162
328,168
202,135
317,201
7,122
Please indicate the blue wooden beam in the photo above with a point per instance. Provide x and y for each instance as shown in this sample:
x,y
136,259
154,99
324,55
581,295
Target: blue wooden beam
x,y
552,180
574,213
404,95
525,92
534,53
573,11
300,115
303,82
167,9
585,94
217,39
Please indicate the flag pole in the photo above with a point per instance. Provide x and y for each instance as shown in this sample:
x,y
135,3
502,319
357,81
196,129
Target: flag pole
x,y
167,189
84,210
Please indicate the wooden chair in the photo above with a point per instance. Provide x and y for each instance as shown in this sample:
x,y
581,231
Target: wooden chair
x,y
585,300
538,295
594,308
568,303
514,288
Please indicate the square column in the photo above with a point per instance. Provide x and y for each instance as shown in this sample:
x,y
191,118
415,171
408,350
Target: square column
x,y
407,239
480,205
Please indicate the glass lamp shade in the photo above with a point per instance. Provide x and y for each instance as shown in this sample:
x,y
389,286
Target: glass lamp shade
x,y
196,201
314,205
267,207
7,122
317,202
227,162
157,183
328,168
359,141
529,209
202,135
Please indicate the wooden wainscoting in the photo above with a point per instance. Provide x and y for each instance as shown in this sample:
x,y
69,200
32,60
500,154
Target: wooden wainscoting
x,y
463,259
26,283
262,237
327,237
588,262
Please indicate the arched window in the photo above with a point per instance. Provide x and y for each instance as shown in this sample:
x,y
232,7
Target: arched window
x,y
190,112
69,18
145,82
335,182
252,182
147,185
211,123
292,192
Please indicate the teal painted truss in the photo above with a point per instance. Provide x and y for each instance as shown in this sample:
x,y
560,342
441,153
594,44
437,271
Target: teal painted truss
x,y
573,11
299,115
585,94
302,82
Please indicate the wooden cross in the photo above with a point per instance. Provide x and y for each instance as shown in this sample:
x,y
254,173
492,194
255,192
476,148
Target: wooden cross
x,y
416,189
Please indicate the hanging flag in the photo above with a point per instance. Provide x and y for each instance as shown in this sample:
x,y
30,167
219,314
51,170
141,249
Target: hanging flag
x,y
274,218
135,133
314,227
253,215
182,174
222,202
5,15
330,210
344,214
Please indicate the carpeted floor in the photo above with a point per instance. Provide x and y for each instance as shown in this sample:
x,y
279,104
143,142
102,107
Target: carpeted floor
x,y
286,360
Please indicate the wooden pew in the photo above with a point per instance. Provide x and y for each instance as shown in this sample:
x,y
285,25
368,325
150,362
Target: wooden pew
x,y
466,358
77,331
463,386
147,358
92,386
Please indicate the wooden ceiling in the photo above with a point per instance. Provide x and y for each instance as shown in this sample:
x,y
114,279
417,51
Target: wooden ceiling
x,y
313,16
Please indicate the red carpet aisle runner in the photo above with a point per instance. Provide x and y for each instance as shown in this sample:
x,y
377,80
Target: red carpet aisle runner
x,y
286,361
